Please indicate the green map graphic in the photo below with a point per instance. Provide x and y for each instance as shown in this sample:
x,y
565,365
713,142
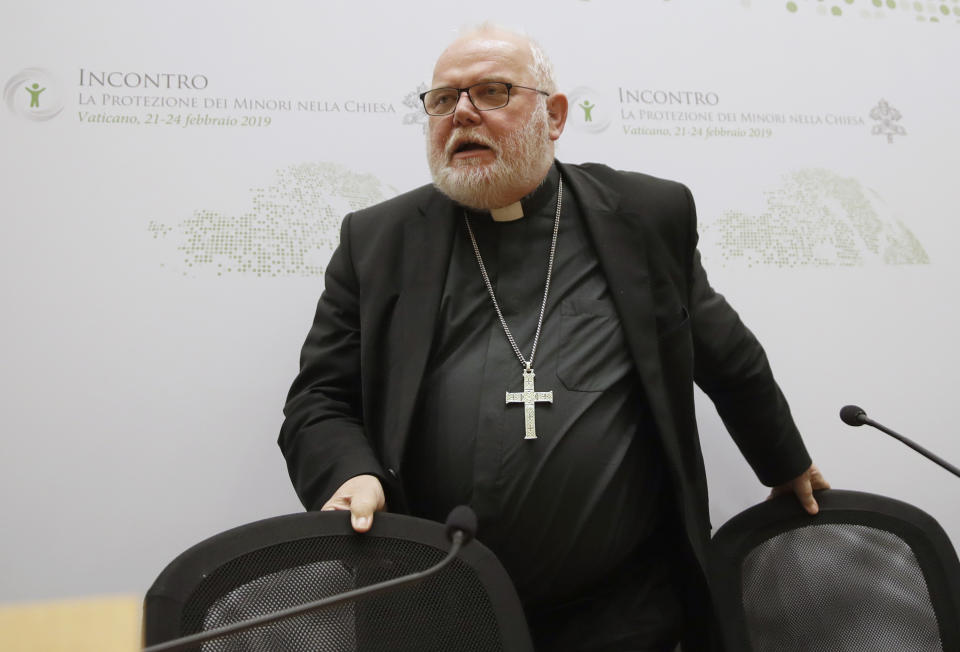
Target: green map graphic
x,y
291,228
815,218
927,11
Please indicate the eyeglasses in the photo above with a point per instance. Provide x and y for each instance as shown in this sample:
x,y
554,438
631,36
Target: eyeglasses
x,y
485,96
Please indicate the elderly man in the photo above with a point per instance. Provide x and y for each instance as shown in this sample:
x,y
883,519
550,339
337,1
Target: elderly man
x,y
523,336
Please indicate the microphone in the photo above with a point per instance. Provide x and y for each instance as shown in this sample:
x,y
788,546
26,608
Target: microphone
x,y
853,415
461,521
461,527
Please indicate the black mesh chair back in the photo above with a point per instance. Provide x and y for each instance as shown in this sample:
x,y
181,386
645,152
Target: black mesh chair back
x,y
286,561
868,573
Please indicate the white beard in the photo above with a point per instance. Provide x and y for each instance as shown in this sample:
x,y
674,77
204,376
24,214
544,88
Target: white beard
x,y
521,162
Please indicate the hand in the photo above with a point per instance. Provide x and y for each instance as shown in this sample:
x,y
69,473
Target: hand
x,y
362,495
803,486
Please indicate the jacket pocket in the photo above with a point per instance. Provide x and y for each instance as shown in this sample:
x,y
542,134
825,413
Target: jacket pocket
x,y
675,319
593,350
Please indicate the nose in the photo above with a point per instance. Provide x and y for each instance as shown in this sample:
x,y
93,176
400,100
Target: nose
x,y
465,113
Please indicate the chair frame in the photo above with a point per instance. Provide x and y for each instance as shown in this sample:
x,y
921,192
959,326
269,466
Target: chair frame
x,y
935,553
164,601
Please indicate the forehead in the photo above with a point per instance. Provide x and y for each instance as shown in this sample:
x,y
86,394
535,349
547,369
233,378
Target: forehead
x,y
482,57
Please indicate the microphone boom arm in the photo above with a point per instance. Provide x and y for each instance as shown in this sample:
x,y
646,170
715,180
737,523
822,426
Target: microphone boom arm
x,y
933,457
458,537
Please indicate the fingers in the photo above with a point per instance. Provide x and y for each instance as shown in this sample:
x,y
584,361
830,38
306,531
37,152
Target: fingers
x,y
817,480
362,507
362,496
804,492
335,503
803,487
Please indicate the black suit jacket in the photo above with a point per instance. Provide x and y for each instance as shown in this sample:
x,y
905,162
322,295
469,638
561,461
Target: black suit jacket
x,y
350,409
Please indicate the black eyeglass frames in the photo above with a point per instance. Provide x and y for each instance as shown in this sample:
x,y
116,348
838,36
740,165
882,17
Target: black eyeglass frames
x,y
485,96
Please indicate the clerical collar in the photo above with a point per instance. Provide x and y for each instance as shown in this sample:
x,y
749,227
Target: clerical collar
x,y
533,203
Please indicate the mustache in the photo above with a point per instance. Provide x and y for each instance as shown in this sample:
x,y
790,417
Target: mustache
x,y
460,136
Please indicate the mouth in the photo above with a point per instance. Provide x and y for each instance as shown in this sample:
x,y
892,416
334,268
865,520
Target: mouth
x,y
469,147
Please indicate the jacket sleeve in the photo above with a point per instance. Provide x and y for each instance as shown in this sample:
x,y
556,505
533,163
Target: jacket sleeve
x,y
730,366
323,437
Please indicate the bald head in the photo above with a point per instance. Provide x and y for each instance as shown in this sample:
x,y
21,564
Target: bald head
x,y
488,36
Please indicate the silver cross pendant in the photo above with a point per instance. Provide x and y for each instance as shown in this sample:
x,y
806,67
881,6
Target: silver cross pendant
x,y
529,397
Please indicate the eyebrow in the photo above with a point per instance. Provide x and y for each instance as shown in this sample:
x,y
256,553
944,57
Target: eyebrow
x,y
497,78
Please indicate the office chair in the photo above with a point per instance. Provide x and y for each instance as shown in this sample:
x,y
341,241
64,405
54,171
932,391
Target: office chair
x,y
281,562
867,573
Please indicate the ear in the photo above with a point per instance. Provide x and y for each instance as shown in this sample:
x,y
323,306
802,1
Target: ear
x,y
557,114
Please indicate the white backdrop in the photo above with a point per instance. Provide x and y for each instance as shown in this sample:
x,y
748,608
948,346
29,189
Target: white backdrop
x,y
171,198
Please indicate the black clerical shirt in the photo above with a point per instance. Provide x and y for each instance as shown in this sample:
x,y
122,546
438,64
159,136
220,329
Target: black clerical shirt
x,y
565,509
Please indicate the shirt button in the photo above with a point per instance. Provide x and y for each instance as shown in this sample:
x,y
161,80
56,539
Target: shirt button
x,y
393,473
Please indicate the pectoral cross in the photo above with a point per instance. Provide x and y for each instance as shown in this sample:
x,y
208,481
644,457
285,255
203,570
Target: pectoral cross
x,y
529,397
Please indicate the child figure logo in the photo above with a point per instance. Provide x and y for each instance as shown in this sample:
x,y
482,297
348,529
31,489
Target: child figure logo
x,y
34,93
589,111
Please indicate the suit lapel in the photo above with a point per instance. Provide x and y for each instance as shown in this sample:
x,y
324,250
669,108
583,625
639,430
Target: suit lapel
x,y
427,241
623,257
622,250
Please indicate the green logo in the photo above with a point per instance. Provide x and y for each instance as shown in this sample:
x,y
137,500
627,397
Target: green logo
x,y
587,109
591,113
35,94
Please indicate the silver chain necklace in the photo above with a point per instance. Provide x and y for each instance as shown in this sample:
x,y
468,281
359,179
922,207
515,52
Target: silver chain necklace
x,y
529,397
